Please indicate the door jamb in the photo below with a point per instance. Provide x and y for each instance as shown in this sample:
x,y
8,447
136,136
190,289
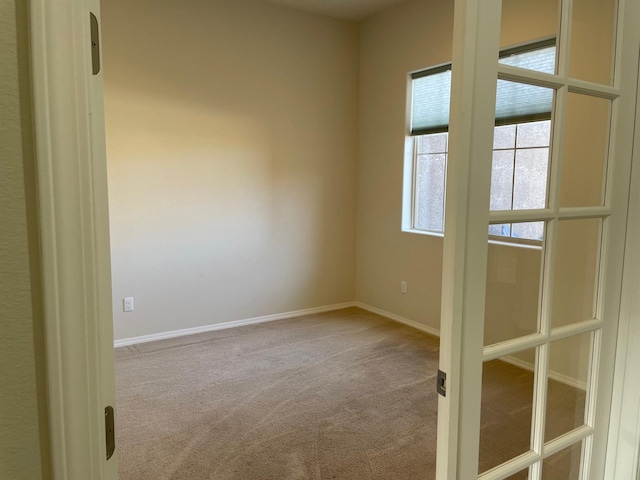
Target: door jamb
x,y
623,449
71,210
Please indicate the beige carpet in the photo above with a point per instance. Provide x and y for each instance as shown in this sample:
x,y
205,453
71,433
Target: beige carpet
x,y
340,395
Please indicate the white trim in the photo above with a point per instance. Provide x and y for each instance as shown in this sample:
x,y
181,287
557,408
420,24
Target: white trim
x,y
623,450
614,234
423,232
392,316
232,324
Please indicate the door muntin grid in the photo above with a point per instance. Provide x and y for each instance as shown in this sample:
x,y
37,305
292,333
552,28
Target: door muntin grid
x,y
463,289
557,211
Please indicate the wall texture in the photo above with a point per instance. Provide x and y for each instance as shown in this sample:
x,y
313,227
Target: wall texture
x,y
231,145
22,426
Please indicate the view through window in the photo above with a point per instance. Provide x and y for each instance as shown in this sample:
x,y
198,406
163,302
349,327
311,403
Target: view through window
x,y
521,142
519,172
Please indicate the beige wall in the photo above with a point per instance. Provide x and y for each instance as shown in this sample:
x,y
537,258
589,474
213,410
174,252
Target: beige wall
x,y
408,37
22,427
231,153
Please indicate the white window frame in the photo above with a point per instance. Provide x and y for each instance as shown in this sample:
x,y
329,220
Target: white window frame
x,y
501,239
411,158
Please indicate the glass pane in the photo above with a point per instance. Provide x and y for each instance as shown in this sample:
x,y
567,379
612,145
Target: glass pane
x,y
513,285
528,231
434,143
525,22
534,134
522,475
576,270
569,361
530,184
430,182
500,230
502,180
565,464
504,137
505,418
593,31
585,151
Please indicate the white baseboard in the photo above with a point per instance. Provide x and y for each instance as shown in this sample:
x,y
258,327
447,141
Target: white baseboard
x,y
235,323
392,316
567,380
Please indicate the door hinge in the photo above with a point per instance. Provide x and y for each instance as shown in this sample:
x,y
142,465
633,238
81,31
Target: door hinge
x,y
441,384
95,45
110,431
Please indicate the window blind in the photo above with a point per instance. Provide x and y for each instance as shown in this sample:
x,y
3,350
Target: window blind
x,y
430,101
515,102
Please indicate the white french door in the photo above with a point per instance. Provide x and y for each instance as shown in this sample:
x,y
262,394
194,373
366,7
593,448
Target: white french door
x,y
529,331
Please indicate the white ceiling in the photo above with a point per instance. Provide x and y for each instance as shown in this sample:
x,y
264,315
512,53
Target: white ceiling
x,y
345,9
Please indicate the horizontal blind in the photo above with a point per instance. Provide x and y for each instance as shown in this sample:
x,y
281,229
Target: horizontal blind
x,y
431,97
515,102
519,103
541,59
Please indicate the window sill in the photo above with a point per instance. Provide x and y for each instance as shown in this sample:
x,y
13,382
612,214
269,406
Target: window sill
x,y
423,232
492,241
507,243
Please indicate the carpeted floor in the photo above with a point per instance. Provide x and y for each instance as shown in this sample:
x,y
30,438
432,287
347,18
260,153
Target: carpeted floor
x,y
344,395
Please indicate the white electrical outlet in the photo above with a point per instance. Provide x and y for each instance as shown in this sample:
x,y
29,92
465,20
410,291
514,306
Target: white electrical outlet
x,y
127,304
403,287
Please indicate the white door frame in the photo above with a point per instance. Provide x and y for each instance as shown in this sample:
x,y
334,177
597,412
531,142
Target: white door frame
x,y
623,454
73,219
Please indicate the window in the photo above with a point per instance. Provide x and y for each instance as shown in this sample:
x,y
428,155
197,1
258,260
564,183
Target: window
x,y
520,151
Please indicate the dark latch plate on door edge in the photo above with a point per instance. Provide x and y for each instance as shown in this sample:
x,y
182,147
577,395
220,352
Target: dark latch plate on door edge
x,y
441,384
110,431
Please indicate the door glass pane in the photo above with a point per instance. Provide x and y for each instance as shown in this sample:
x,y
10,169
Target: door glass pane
x,y
520,166
576,270
569,361
525,23
513,286
521,103
586,143
500,230
528,231
593,30
523,475
563,465
530,179
507,399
